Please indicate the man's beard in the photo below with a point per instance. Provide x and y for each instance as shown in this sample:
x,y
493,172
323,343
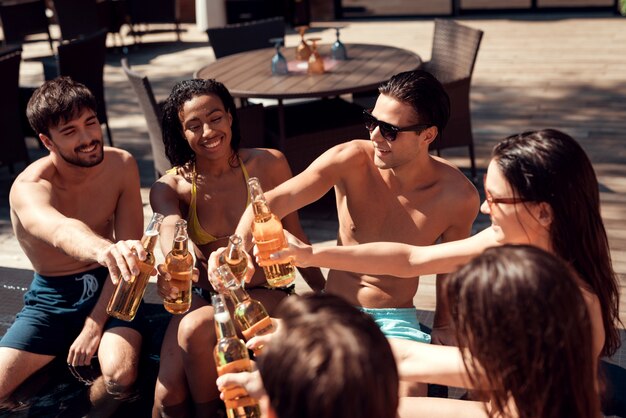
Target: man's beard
x,y
76,160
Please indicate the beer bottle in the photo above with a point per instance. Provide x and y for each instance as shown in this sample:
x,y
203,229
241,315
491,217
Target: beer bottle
x,y
250,314
128,294
268,234
234,257
231,356
179,264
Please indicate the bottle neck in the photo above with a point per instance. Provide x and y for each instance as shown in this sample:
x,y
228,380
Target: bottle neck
x,y
238,294
259,204
233,253
224,326
261,210
180,245
149,240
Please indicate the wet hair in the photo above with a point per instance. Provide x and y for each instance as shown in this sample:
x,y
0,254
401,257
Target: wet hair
x,y
58,100
331,361
177,148
424,93
520,313
550,166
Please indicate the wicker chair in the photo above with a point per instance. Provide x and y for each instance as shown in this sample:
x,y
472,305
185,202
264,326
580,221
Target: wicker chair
x,y
23,18
152,114
12,145
152,11
76,18
241,37
83,60
454,52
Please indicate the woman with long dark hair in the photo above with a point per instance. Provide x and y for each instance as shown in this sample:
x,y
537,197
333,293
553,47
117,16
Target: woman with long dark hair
x,y
208,188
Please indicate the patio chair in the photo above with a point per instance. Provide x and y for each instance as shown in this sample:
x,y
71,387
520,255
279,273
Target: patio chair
x,y
83,60
23,18
12,145
454,52
152,11
240,37
76,18
152,114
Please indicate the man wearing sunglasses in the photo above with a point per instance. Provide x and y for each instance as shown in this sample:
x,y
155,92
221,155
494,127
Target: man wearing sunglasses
x,y
388,189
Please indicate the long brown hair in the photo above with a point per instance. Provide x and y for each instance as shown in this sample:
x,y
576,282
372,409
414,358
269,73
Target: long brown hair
x,y
550,166
520,313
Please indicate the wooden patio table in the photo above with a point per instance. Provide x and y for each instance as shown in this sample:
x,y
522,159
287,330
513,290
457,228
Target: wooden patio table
x,y
248,74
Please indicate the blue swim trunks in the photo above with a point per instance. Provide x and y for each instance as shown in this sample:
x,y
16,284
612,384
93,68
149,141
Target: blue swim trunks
x,y
54,312
398,323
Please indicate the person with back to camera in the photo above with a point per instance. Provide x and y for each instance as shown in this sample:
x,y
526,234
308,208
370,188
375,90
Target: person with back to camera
x,y
541,190
388,188
327,360
207,187
67,210
522,327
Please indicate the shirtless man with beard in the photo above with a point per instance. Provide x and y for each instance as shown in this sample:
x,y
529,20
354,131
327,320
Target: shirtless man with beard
x,y
77,214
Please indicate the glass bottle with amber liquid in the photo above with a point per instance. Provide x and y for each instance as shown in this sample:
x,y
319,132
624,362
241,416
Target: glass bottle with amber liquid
x,y
128,294
179,265
231,356
233,256
268,234
250,314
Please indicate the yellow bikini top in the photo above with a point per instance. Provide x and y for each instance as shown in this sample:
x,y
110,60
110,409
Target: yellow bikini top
x,y
196,233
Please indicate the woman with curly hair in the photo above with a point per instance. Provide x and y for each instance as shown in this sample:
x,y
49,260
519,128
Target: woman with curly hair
x,y
208,188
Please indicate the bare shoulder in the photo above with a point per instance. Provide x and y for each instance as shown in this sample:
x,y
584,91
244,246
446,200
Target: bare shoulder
x,y
357,151
269,165
175,181
261,156
36,178
117,157
454,180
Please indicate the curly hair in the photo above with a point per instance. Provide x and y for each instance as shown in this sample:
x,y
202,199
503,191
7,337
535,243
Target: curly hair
x,y
550,166
177,148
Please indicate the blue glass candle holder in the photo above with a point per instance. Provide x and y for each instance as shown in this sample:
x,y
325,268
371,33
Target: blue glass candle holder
x,y
338,49
279,63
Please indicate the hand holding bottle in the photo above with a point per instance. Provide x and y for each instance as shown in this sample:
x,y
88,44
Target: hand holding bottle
x,y
250,381
214,262
165,288
122,259
128,294
259,342
296,251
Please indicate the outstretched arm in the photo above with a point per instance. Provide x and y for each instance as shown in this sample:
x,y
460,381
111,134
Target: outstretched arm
x,y
427,363
31,204
291,194
391,258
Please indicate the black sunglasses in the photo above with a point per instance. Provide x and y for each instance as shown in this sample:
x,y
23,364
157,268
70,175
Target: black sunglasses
x,y
387,130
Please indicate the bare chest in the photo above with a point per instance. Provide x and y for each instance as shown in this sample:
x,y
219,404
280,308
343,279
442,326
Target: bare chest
x,y
94,206
382,215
